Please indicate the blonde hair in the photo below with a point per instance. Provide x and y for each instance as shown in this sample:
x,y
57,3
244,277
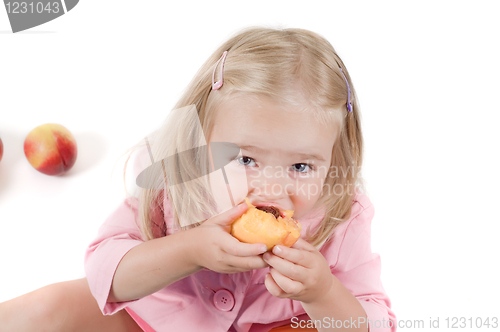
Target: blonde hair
x,y
269,62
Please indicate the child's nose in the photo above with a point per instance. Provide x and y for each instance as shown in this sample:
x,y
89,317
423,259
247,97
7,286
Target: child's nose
x,y
272,186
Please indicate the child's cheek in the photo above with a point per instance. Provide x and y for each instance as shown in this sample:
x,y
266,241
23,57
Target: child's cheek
x,y
233,192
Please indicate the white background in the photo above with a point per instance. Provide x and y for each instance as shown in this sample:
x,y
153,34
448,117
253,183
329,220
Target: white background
x,y
427,78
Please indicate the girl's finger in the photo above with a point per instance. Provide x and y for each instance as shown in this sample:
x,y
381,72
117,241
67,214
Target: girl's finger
x,y
286,284
303,244
271,286
298,256
240,249
286,267
245,263
226,218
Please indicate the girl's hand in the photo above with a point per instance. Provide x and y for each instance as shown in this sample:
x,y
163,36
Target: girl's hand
x,y
216,249
299,273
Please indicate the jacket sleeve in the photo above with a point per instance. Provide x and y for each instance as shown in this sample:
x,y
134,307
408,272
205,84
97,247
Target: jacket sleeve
x,y
116,237
358,269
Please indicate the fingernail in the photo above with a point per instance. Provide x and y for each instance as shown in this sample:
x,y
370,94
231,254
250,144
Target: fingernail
x,y
263,249
277,250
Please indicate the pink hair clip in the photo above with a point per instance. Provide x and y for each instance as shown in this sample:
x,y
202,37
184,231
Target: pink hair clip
x,y
349,105
218,84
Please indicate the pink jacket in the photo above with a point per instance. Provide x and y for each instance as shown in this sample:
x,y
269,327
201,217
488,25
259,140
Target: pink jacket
x,y
211,301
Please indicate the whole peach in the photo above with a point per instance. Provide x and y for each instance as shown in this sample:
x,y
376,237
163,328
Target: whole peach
x,y
50,149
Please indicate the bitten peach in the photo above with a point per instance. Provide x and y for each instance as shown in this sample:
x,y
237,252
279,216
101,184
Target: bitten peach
x,y
257,226
50,149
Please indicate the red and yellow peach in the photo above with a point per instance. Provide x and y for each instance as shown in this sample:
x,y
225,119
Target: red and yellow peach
x,y
256,226
51,149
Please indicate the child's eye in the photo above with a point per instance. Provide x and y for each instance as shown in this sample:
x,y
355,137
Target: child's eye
x,y
303,168
245,161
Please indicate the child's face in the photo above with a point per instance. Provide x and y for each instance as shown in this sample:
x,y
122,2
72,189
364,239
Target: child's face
x,y
286,155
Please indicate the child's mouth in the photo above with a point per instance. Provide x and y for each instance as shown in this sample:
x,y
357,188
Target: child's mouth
x,y
272,210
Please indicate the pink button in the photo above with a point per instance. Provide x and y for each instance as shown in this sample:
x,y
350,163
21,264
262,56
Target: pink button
x,y
223,300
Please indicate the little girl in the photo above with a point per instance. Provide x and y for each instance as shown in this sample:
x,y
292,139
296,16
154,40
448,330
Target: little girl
x,y
167,257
